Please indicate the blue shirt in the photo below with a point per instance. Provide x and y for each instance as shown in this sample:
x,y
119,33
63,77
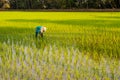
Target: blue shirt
x,y
38,28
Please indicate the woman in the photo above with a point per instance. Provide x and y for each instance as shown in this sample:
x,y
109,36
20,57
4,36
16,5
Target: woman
x,y
40,30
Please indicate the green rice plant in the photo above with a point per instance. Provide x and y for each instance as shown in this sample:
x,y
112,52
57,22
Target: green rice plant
x,y
76,46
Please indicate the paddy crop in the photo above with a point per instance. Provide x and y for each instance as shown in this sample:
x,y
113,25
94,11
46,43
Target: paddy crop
x,y
76,46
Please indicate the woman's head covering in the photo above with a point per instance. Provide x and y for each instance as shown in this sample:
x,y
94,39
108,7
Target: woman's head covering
x,y
43,29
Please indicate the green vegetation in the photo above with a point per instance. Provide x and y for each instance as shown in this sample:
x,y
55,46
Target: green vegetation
x,y
76,46
60,4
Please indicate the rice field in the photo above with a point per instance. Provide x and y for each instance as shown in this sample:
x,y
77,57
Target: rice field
x,y
76,46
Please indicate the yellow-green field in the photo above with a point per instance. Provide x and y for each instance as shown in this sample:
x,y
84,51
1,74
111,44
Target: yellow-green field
x,y
76,46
